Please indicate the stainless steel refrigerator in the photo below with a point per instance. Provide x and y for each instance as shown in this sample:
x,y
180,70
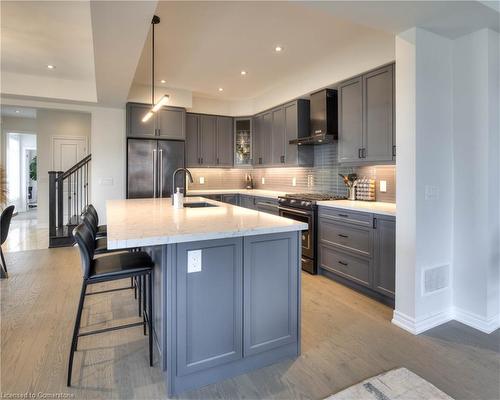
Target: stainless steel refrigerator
x,y
150,165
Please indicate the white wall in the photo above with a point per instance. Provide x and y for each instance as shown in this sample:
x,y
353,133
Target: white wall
x,y
107,141
476,171
424,141
447,126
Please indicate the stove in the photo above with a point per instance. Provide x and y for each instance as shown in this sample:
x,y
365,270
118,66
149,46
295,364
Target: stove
x,y
303,207
306,200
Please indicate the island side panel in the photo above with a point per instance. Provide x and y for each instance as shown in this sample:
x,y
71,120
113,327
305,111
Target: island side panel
x,y
270,300
210,360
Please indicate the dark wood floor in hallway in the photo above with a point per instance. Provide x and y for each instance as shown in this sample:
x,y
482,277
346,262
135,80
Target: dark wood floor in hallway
x,y
346,338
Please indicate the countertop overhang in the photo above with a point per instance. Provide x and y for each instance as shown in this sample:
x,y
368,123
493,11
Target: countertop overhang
x,y
151,222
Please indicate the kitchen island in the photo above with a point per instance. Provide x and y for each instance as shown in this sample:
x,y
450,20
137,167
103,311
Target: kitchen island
x,y
226,285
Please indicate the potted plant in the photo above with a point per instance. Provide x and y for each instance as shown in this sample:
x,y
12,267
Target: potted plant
x,y
3,188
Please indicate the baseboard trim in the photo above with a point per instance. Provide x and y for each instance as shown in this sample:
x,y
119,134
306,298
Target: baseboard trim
x,y
415,327
486,325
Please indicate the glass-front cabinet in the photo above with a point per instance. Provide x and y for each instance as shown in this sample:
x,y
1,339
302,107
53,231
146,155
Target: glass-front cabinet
x,y
242,142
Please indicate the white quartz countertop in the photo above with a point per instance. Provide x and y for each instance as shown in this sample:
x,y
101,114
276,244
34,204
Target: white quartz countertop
x,y
150,222
375,207
251,192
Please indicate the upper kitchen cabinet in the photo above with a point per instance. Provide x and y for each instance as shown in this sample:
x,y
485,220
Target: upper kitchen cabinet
x,y
273,131
378,107
135,126
167,123
243,142
209,141
171,123
225,141
366,116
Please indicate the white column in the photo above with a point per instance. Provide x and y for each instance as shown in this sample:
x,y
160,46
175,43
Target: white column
x,y
424,225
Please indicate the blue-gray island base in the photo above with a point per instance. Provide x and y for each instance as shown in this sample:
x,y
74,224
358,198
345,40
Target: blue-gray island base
x,y
239,312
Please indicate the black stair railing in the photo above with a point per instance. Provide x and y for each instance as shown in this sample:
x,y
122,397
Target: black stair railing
x,y
68,197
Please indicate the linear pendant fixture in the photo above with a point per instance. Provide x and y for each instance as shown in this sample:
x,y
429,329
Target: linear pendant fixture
x,y
164,99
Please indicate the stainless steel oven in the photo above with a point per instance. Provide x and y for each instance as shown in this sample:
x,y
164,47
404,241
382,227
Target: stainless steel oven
x,y
308,236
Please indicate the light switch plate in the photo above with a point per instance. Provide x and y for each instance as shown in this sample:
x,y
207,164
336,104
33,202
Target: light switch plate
x,y
383,186
431,192
263,180
202,180
106,181
194,261
294,181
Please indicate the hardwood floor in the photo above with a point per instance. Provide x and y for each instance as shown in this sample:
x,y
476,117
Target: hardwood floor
x,y
346,338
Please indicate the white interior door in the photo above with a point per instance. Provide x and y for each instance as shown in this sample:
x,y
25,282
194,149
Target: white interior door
x,y
66,152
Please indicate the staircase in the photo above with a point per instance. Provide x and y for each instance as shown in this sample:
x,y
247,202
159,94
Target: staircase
x,y
68,197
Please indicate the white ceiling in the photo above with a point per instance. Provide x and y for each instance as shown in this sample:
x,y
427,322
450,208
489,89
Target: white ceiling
x,y
201,46
36,34
19,112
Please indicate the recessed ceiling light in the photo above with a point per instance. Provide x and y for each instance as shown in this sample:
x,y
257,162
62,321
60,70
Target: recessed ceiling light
x,y
163,81
17,111
243,72
220,89
277,49
50,66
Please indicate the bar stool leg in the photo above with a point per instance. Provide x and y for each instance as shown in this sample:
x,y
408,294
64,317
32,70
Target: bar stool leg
x,y
76,330
140,288
150,316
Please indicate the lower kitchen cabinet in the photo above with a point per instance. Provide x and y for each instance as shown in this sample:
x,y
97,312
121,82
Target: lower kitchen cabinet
x,y
359,249
384,277
270,287
266,205
233,199
247,201
210,324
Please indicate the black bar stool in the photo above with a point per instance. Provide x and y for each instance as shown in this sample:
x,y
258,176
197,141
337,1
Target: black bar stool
x,y
102,230
4,231
109,268
101,247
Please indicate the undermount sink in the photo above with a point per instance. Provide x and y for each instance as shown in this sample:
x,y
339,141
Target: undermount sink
x,y
199,205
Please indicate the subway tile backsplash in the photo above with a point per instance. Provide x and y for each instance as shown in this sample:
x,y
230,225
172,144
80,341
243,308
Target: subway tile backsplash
x,y
323,177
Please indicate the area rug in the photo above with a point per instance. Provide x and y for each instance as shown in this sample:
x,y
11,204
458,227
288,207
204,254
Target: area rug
x,y
398,384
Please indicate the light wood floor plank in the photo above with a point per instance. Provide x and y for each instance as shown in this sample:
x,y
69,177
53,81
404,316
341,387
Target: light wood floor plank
x,y
346,337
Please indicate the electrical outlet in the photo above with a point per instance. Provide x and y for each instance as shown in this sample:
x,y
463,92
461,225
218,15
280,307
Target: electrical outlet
x,y
383,186
263,180
194,261
202,180
294,181
106,181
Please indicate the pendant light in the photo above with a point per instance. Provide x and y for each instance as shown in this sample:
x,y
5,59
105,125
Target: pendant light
x,y
164,99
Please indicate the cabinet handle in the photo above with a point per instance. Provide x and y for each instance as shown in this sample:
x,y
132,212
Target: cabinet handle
x,y
343,263
344,215
359,153
217,160
343,236
394,151
282,159
260,160
374,223
201,160
364,152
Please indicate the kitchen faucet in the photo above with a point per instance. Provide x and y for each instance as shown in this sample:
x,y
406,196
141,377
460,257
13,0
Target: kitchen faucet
x,y
173,180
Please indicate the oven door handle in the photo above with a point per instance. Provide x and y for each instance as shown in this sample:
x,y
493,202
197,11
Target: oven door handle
x,y
295,211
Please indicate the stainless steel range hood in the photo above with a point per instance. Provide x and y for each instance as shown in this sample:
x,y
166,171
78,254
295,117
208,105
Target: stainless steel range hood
x,y
324,121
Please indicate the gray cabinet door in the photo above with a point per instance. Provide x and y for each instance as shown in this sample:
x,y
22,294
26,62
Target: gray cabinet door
x,y
270,291
350,120
266,138
135,126
291,132
278,136
171,123
247,201
378,115
269,206
225,147
209,321
208,140
256,140
192,140
384,270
